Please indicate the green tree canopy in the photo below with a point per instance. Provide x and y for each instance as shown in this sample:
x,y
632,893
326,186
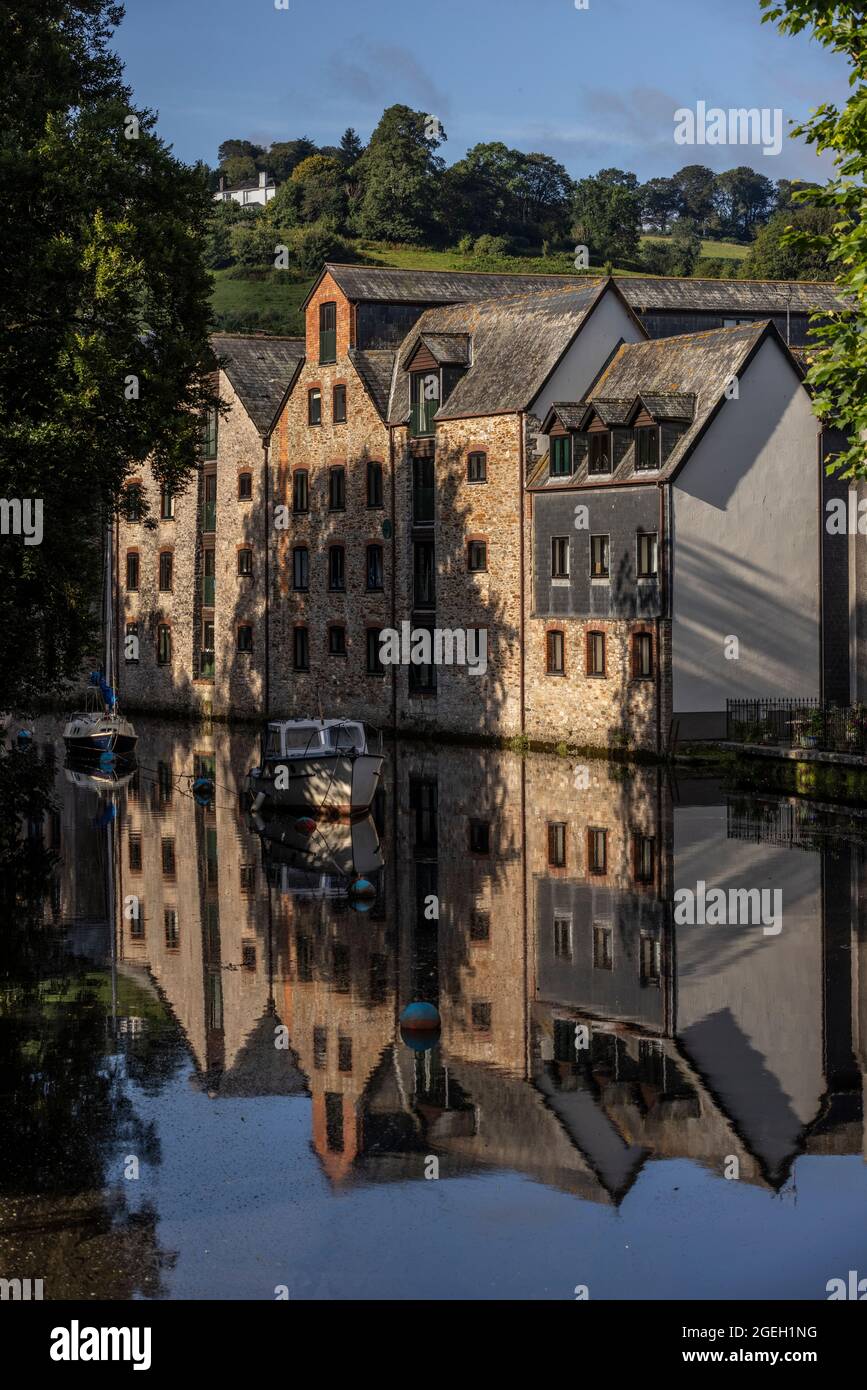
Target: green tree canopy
x,y
104,314
401,172
607,215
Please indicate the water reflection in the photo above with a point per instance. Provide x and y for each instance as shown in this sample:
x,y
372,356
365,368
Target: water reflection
x,y
584,1033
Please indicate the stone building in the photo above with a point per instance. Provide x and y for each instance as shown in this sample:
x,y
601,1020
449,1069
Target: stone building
x,y
372,526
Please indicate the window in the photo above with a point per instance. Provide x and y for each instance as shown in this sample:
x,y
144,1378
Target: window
x,y
245,562
334,1122
423,803
650,958
314,406
599,557
300,491
131,642
644,858
166,567
599,458
597,851
561,456
300,567
563,938
209,434
171,924
481,1016
374,484
424,575
559,557
424,402
423,491
337,489
603,948
134,499
168,856
557,844
477,556
642,655
167,504
337,641
480,925
320,1048
206,657
647,555
375,579
328,332
374,661
338,405
554,654
301,649
135,859
477,468
164,645
336,568
132,570
209,507
596,653
248,956
480,837
423,674
245,486
209,577
647,448
344,1054
245,637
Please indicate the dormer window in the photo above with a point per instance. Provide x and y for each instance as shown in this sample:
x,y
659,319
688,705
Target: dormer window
x,y
561,456
647,448
599,457
327,332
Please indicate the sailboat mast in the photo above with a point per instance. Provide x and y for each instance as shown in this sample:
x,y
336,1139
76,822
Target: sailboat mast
x,y
107,603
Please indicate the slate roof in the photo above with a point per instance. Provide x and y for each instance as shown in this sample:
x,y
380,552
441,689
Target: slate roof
x,y
260,369
696,365
727,296
612,411
668,406
517,341
569,414
384,284
376,368
449,349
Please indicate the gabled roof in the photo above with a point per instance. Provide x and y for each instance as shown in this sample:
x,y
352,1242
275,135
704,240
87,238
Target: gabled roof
x,y
375,368
517,341
611,410
668,405
697,365
261,370
568,413
729,296
383,284
448,349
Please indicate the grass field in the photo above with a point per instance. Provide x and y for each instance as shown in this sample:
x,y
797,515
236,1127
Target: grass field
x,y
723,250
270,301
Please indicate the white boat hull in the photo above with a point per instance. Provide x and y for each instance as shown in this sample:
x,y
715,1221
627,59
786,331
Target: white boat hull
x,y
338,784
99,733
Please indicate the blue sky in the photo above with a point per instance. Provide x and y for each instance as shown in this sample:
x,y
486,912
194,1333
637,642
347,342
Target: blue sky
x,y
593,87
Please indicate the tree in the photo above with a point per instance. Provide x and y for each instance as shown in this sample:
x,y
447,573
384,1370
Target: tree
x,y
238,149
401,173
775,257
320,180
239,169
660,200
479,190
285,155
743,199
607,215
351,147
685,246
838,372
104,315
695,184
542,191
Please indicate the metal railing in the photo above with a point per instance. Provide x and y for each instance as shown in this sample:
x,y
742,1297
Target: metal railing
x,y
797,723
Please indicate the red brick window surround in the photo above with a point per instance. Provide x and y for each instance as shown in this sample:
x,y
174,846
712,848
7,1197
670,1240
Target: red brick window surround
x,y
643,858
336,569
337,640
596,654
245,486
338,404
375,571
337,488
374,658
374,483
557,844
301,649
300,490
164,644
314,406
642,656
245,637
134,500
245,562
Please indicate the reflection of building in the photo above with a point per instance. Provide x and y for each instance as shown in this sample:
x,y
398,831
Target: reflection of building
x,y
585,1033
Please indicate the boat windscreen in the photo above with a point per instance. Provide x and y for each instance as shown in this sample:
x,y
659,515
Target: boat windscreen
x,y
305,736
346,736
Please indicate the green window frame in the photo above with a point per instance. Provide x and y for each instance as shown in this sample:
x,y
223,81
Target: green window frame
x,y
561,456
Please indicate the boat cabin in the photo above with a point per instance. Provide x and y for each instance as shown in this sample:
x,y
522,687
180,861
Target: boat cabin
x,y
297,738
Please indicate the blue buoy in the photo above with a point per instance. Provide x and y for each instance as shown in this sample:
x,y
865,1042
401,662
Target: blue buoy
x,y
203,791
106,761
420,1025
24,739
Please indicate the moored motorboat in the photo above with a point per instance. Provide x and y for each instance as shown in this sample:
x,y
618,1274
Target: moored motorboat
x,y
331,766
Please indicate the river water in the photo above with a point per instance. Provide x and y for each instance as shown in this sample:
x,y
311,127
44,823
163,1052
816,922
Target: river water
x,y
206,1092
